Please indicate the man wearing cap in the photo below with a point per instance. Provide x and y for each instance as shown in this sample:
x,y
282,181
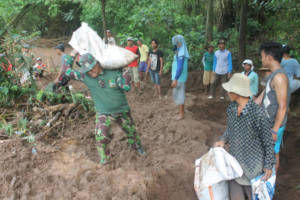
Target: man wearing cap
x,y
66,62
107,90
133,67
253,77
222,67
248,136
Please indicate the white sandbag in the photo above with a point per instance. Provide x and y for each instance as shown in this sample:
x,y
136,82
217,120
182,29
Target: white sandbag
x,y
211,170
263,190
215,192
86,40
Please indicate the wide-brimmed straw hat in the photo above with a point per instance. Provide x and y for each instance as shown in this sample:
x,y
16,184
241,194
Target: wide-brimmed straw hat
x,y
238,84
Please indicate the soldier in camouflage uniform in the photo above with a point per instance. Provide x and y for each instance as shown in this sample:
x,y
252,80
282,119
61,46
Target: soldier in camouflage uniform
x,y
66,62
107,90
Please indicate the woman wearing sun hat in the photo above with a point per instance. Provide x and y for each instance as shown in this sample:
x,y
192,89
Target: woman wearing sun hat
x,y
248,136
249,71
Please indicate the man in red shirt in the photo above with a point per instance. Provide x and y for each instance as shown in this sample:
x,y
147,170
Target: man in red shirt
x,y
133,67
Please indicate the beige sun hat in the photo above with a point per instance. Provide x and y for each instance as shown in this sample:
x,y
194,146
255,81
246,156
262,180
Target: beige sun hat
x,y
238,84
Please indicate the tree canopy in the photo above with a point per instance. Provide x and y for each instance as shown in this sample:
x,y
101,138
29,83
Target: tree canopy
x,y
160,19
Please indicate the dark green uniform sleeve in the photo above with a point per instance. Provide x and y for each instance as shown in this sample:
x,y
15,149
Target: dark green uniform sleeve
x,y
74,74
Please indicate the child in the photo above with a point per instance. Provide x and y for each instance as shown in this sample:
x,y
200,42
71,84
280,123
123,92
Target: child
x,y
208,76
107,90
39,68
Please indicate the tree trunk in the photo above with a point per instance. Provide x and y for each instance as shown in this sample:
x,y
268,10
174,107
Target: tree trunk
x,y
103,4
209,21
227,15
243,31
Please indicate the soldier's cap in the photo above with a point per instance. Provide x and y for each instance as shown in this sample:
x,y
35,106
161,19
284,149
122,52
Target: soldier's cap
x,y
87,62
60,47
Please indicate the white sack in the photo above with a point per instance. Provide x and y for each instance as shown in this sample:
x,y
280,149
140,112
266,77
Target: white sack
x,y
86,40
219,192
212,168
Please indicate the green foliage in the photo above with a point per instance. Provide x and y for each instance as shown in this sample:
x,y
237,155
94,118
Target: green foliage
x,y
146,19
7,128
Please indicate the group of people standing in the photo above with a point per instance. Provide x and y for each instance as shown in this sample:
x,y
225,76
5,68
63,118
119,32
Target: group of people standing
x,y
218,69
255,123
151,61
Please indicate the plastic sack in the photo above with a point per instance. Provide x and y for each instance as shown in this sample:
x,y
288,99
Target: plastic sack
x,y
86,40
216,192
212,172
25,77
263,190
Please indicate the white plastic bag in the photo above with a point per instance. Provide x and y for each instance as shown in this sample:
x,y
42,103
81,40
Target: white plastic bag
x,y
212,169
25,77
86,40
263,190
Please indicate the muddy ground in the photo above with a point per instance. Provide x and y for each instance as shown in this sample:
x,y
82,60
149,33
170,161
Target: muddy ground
x,y
66,165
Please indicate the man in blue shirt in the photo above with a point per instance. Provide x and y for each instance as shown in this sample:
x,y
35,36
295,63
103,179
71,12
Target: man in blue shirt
x,y
292,69
222,67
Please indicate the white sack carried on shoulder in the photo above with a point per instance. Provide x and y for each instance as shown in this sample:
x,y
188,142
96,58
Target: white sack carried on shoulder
x,y
86,40
214,167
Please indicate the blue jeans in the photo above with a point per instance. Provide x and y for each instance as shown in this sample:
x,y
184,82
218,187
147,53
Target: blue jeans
x,y
143,66
155,78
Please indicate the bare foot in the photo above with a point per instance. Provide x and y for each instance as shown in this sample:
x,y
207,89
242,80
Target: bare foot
x,y
179,117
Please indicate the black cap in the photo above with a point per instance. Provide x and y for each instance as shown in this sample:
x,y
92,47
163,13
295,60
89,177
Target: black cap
x,y
60,47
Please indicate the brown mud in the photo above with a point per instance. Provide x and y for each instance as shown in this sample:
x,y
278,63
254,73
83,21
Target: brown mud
x,y
66,164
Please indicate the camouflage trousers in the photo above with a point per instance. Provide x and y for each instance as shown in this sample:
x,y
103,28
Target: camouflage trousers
x,y
104,135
